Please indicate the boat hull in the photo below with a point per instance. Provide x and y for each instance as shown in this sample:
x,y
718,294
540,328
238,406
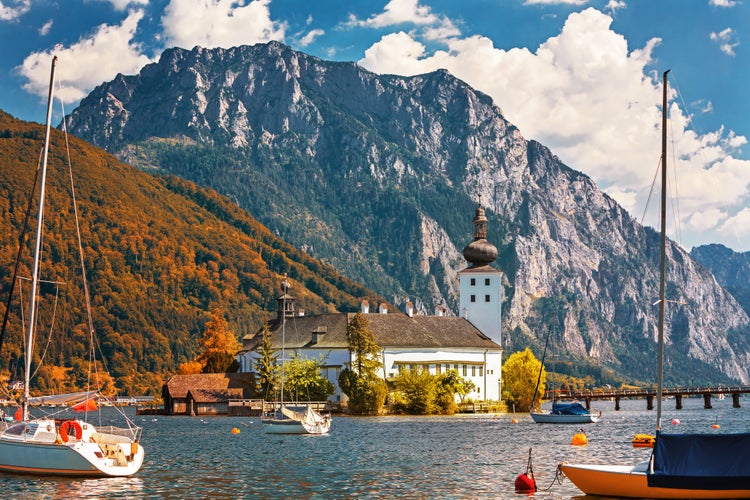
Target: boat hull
x,y
42,447
77,459
550,418
289,426
626,481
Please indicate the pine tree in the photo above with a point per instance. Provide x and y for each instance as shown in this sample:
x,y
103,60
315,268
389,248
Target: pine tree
x,y
360,381
266,366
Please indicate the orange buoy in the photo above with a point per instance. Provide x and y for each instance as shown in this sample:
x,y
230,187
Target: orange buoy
x,y
643,441
579,439
235,430
715,426
513,420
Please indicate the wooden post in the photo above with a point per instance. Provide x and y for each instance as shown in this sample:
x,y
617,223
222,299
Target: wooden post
x,y
617,403
588,403
707,400
678,401
650,402
735,400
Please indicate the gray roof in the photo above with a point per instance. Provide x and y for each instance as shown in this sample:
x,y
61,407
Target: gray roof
x,y
390,330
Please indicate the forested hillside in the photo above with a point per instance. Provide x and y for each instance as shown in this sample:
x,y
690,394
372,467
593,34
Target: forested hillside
x,y
161,254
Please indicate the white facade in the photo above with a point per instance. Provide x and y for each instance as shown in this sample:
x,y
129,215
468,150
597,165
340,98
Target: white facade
x,y
480,300
482,367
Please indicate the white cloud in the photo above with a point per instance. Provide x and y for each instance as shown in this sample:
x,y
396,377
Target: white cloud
x,y
399,12
122,5
445,30
588,97
614,5
87,63
310,37
727,40
723,3
13,10
219,23
46,27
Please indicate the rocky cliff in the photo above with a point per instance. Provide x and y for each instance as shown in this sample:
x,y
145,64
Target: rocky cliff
x,y
379,176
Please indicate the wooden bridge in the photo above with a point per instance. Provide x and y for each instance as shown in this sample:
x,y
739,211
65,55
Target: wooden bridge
x,y
587,395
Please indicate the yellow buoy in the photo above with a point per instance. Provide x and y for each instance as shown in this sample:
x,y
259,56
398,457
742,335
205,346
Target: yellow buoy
x,y
235,430
579,439
643,441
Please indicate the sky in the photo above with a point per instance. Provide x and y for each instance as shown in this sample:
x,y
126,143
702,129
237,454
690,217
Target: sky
x,y
583,77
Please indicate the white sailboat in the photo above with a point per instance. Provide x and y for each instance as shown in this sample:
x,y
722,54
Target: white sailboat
x,y
286,420
560,413
683,466
70,447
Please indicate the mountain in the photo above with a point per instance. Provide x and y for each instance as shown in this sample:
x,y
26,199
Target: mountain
x,y
379,176
161,254
731,269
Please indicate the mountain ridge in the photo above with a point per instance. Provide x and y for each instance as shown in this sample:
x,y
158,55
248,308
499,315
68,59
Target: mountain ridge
x,y
378,175
161,254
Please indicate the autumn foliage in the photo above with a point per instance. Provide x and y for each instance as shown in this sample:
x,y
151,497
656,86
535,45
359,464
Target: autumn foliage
x,y
161,255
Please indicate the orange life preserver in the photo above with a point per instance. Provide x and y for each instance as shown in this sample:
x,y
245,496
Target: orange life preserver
x,y
68,424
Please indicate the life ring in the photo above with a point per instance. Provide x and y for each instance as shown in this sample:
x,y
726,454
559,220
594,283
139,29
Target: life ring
x,y
66,426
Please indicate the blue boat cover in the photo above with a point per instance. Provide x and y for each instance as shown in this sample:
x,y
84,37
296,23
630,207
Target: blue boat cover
x,y
569,409
701,461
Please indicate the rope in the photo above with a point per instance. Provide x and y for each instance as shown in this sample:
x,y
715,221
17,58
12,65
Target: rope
x,y
559,475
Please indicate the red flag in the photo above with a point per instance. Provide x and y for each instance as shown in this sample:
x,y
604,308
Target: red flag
x,y
19,414
88,405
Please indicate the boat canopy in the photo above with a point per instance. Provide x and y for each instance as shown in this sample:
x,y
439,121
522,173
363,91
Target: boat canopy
x,y
705,461
569,409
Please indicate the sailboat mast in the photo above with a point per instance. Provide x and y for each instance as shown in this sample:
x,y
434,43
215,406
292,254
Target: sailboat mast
x,y
37,247
663,264
284,287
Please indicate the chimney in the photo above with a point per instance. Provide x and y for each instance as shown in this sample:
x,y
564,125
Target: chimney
x,y
365,307
382,308
409,309
300,312
318,333
440,311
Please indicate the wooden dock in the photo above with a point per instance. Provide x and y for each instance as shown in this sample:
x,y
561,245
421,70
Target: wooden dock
x,y
649,394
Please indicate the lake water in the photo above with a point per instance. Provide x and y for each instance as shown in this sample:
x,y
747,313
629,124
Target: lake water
x,y
474,456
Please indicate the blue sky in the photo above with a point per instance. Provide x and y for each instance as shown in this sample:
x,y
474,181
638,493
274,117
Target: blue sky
x,y
581,76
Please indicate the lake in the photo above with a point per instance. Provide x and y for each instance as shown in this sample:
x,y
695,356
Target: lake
x,y
461,456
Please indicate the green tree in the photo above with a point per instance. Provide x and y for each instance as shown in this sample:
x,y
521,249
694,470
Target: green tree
x,y
303,381
520,374
360,381
220,346
266,366
416,392
453,384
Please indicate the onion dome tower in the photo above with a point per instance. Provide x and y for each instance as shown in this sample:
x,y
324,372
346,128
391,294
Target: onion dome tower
x,y
480,252
480,285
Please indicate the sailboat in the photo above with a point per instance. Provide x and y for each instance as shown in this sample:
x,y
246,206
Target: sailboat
x,y
286,420
684,466
70,447
561,413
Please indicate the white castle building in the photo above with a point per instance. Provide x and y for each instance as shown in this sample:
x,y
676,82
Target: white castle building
x,y
469,342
